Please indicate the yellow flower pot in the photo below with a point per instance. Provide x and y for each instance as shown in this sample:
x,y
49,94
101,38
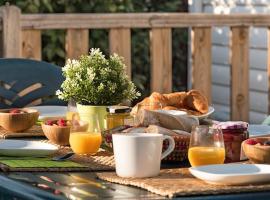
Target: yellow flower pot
x,y
86,113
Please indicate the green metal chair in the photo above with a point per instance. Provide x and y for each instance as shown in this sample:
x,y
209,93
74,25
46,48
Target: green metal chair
x,y
26,82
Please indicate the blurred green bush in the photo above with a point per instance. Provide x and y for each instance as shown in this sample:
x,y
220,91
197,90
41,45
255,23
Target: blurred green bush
x,y
53,41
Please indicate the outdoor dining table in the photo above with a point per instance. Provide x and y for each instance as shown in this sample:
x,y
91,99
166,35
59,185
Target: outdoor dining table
x,y
86,185
25,185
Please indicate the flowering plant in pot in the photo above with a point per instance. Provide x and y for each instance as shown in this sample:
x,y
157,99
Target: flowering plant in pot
x,y
95,82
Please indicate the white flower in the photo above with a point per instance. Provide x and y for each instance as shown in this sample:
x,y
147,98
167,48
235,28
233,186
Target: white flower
x,y
58,92
91,74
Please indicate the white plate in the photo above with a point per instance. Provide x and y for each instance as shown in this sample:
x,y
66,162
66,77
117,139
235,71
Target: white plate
x,y
232,174
256,130
172,112
179,112
210,111
26,148
51,111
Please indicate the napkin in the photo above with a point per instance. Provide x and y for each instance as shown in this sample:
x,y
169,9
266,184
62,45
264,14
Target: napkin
x,y
30,162
165,120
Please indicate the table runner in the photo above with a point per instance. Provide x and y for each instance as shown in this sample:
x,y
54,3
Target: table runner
x,y
179,182
29,162
102,161
34,131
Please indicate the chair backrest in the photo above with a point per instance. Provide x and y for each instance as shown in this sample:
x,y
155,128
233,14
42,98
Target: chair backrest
x,y
25,82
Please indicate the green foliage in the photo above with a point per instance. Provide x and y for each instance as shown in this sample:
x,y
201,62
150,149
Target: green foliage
x,y
95,80
53,41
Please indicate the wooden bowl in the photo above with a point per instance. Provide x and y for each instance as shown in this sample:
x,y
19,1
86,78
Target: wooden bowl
x,y
60,134
258,153
57,134
17,122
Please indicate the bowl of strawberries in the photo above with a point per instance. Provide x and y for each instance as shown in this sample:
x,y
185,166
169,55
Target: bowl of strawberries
x,y
18,119
257,149
58,131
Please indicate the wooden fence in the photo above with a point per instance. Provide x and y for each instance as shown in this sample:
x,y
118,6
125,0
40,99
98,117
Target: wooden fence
x,y
21,37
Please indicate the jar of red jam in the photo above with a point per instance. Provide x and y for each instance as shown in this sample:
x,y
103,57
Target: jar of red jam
x,y
234,133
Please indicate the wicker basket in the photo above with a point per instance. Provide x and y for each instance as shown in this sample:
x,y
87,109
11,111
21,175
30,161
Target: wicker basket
x,y
180,151
179,154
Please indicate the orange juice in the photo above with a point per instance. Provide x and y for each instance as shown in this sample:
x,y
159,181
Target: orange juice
x,y
206,155
85,142
70,115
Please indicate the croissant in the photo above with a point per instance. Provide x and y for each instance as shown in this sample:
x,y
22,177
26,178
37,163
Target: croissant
x,y
159,99
170,108
196,101
154,102
193,102
176,99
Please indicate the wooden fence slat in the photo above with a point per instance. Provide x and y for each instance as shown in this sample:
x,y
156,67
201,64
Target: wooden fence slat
x,y
140,20
268,66
239,58
202,61
120,43
161,60
77,43
31,44
11,34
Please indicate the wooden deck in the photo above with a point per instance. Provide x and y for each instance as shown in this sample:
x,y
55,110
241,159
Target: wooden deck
x,y
21,37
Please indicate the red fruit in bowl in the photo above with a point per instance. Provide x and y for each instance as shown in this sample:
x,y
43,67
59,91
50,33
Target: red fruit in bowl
x,y
61,122
14,111
49,122
251,142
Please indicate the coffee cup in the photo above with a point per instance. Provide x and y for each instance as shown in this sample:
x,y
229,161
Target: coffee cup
x,y
138,155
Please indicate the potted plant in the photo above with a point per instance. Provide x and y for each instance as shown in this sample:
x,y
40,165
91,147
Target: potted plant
x,y
95,82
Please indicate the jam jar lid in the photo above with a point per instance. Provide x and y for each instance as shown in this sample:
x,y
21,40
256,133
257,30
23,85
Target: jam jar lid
x,y
118,109
231,125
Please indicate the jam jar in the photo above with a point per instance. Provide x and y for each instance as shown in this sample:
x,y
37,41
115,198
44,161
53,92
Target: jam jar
x,y
118,116
234,133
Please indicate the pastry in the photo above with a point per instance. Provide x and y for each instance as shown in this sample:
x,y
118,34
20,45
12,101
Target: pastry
x,y
196,101
170,108
192,102
157,99
176,99
155,102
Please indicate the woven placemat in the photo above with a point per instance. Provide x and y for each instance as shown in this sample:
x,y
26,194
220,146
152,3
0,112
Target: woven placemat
x,y
179,182
102,161
34,131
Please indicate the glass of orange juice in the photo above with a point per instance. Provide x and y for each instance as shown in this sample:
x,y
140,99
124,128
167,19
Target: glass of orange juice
x,y
87,142
206,146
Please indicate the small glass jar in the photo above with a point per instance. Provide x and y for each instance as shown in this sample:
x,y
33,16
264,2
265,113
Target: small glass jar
x,y
118,116
234,133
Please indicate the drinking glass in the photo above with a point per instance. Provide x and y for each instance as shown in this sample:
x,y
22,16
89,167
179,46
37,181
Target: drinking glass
x,y
89,141
72,113
206,146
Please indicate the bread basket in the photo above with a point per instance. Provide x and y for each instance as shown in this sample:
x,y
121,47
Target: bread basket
x,y
179,154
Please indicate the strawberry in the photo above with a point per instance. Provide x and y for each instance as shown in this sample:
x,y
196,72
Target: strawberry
x,y
14,111
251,142
61,122
49,122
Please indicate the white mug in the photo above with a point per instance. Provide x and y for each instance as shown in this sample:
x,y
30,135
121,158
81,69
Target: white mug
x,y
138,155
